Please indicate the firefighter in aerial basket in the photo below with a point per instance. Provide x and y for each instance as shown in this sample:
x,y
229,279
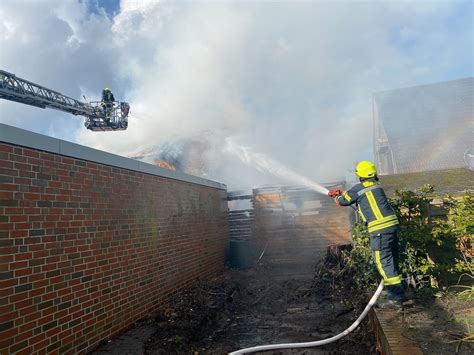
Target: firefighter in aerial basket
x,y
375,210
107,102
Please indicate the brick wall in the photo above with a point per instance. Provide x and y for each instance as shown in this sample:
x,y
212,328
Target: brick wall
x,y
86,248
297,238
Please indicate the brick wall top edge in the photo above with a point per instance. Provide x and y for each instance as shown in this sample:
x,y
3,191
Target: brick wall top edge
x,y
21,137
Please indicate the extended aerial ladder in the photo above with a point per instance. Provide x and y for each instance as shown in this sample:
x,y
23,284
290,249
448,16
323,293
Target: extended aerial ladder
x,y
99,116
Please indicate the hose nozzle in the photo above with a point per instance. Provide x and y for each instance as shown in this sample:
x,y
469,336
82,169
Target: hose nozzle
x,y
335,193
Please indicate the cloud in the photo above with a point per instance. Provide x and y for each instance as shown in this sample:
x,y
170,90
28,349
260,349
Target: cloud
x,y
292,80
59,45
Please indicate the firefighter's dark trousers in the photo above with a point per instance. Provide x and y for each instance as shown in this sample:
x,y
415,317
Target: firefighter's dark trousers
x,y
385,248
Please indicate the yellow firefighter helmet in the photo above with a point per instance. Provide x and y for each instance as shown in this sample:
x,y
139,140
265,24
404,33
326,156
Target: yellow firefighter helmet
x,y
366,169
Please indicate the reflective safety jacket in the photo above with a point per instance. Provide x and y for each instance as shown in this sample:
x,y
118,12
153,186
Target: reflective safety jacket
x,y
107,96
373,207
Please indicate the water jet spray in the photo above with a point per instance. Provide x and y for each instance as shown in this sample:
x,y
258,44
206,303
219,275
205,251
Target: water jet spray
x,y
263,163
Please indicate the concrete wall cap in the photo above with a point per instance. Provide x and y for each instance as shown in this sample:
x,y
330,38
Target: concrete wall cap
x,y
28,139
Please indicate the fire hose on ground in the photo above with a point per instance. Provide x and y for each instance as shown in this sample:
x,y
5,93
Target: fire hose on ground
x,y
317,342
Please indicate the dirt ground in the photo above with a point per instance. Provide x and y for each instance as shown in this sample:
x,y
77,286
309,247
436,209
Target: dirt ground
x,y
243,308
267,304
438,324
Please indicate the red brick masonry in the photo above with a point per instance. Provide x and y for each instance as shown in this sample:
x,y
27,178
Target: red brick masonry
x,y
86,249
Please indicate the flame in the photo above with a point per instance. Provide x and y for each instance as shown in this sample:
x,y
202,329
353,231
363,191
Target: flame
x,y
164,164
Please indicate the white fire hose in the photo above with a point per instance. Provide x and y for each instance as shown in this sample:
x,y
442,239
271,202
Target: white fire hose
x,y
318,342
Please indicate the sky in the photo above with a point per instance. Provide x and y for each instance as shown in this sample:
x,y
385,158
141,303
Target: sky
x,y
291,80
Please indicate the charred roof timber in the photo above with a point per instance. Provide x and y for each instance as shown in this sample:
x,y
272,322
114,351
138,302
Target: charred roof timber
x,y
99,117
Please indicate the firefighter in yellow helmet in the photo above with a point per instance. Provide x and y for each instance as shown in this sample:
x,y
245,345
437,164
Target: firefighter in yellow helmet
x,y
107,103
375,210
107,96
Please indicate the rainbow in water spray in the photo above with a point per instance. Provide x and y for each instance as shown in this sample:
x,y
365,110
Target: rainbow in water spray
x,y
265,164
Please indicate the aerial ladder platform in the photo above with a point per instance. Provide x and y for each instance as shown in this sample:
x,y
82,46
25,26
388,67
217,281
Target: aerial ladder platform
x,y
99,116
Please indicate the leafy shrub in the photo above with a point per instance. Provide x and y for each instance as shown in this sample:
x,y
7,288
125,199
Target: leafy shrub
x,y
416,261
459,227
360,260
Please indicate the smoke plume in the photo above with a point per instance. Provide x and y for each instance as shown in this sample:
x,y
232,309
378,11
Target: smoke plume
x,y
290,80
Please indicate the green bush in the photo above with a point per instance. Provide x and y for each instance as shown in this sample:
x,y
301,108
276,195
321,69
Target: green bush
x,y
360,260
417,241
459,228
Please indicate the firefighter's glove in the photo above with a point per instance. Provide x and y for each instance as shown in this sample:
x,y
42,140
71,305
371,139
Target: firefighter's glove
x,y
335,193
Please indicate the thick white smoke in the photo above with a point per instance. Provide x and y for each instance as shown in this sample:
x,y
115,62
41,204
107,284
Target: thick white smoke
x,y
292,80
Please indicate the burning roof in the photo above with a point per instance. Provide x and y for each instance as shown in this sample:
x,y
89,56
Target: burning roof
x,y
186,155
164,164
